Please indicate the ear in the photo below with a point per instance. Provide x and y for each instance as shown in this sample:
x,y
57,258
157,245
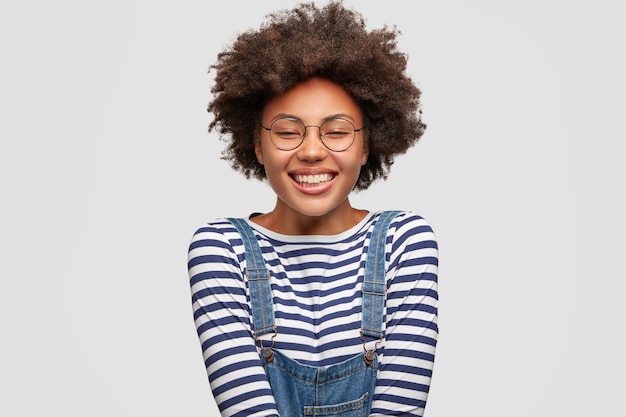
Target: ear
x,y
258,150
365,154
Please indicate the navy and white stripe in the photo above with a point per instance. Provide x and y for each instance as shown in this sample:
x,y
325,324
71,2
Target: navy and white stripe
x,y
317,301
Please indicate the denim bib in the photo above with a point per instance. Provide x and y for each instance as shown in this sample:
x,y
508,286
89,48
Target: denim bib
x,y
344,389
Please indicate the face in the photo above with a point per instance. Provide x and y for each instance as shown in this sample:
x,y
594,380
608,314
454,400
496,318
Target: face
x,y
311,180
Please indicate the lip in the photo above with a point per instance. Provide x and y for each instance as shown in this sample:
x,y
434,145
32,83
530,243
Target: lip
x,y
315,189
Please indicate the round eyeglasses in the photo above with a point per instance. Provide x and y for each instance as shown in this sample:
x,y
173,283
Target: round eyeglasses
x,y
336,134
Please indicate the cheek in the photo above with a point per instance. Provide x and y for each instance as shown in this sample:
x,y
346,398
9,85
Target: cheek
x,y
272,161
353,163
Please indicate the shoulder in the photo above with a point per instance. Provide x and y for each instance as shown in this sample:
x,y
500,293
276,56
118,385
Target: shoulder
x,y
407,223
215,240
410,231
216,232
215,254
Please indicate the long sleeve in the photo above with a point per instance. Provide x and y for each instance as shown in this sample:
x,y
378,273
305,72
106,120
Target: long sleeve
x,y
316,290
411,321
222,319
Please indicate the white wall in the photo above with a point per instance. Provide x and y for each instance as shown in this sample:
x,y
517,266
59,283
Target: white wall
x,y
106,170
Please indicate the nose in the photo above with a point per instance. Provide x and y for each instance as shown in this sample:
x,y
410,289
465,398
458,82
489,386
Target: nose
x,y
312,148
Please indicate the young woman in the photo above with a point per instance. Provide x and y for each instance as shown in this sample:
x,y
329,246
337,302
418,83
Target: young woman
x,y
316,307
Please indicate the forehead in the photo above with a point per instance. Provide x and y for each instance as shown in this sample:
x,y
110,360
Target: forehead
x,y
312,101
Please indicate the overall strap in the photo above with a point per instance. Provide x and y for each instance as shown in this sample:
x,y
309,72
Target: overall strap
x,y
374,283
258,280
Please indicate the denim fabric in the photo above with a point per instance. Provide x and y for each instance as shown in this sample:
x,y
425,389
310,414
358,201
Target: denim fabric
x,y
341,390
345,389
374,283
258,277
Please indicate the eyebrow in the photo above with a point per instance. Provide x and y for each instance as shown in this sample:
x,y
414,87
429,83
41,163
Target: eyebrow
x,y
325,119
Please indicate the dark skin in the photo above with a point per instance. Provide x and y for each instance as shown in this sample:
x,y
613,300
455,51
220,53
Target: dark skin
x,y
311,182
295,45
305,225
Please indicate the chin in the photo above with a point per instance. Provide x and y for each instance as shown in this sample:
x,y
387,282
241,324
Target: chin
x,y
317,210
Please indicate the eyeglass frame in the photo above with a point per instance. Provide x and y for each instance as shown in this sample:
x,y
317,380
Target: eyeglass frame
x,y
321,137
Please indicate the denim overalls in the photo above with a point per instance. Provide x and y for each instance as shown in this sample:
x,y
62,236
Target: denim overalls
x,y
345,389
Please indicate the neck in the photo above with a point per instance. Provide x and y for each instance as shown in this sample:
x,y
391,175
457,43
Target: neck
x,y
285,220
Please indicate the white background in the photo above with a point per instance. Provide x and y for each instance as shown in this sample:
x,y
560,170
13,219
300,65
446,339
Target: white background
x,y
106,170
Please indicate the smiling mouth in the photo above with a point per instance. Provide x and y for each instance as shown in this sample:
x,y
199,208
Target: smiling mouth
x,y
313,180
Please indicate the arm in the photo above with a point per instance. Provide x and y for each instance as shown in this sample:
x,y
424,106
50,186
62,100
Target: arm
x,y
222,319
411,321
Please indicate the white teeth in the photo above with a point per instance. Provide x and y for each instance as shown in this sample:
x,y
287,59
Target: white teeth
x,y
313,179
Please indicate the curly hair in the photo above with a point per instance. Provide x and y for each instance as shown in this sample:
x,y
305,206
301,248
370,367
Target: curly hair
x,y
332,42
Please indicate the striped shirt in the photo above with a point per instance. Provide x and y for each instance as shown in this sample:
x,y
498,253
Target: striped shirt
x,y
316,288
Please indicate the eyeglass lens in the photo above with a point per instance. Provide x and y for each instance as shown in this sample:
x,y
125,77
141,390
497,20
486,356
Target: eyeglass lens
x,y
336,134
